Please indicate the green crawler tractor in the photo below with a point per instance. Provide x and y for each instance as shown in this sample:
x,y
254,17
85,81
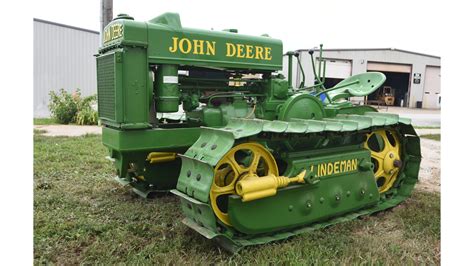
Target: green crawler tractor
x,y
209,115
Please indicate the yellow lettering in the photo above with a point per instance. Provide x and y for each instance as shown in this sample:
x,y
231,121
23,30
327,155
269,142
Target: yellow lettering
x,y
188,46
336,167
249,51
198,47
116,31
107,36
343,166
354,164
174,47
258,52
323,169
230,50
240,51
211,48
319,173
268,55
330,168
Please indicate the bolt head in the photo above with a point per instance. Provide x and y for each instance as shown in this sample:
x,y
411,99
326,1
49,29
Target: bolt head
x,y
391,155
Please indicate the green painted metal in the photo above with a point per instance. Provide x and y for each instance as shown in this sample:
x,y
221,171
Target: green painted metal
x,y
287,214
167,42
231,94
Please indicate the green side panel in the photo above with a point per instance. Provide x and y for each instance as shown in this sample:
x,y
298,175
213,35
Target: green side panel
x,y
212,48
149,139
136,90
303,204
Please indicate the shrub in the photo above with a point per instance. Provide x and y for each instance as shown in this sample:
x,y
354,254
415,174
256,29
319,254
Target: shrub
x,y
63,106
71,108
86,114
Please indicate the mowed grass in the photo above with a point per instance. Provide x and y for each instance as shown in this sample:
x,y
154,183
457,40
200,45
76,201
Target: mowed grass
x,y
82,216
44,121
432,136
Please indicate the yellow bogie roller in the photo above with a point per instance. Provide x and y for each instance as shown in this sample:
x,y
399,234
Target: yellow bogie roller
x,y
384,147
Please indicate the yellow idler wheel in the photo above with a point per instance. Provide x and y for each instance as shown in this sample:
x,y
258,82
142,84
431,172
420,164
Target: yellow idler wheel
x,y
384,147
242,162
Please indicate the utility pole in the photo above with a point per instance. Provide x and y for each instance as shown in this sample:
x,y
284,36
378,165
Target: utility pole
x,y
106,15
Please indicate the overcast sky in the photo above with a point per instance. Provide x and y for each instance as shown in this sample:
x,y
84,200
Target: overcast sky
x,y
408,25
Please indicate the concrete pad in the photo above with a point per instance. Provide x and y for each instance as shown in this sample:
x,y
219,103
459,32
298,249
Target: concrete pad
x,y
68,130
427,131
419,117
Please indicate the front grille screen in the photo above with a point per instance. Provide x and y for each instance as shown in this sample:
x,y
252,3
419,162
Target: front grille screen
x,y
106,86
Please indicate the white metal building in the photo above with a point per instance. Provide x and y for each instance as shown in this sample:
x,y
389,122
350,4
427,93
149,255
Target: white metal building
x,y
415,77
63,58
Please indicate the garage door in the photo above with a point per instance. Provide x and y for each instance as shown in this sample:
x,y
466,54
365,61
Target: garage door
x,y
338,69
384,67
432,88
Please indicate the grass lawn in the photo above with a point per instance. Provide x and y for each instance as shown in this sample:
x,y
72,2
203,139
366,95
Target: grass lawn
x,y
432,136
82,216
44,121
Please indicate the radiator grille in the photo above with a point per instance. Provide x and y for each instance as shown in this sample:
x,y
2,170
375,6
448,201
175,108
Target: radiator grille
x,y
106,86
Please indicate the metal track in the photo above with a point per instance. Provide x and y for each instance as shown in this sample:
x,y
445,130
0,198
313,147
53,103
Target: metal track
x,y
197,172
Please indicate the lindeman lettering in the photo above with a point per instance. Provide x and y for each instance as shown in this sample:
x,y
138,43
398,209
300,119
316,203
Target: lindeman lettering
x,y
338,167
201,47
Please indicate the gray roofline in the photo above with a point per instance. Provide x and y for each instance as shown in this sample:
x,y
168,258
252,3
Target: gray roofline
x,y
374,49
65,26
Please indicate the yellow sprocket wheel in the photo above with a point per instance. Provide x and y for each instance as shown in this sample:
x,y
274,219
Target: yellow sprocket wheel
x,y
244,161
384,146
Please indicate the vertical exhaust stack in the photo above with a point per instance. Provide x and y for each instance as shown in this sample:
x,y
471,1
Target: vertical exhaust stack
x,y
106,15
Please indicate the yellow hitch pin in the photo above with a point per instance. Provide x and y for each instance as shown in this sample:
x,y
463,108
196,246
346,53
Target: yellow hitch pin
x,y
265,186
161,157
